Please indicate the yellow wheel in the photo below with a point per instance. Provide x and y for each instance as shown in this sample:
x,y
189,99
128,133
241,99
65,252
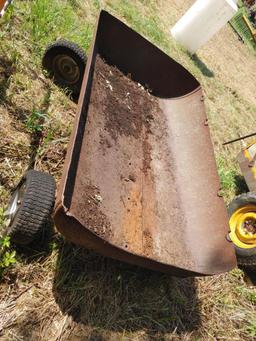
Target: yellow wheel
x,y
242,223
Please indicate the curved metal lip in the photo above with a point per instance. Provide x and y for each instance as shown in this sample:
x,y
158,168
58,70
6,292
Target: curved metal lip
x,y
166,267
199,88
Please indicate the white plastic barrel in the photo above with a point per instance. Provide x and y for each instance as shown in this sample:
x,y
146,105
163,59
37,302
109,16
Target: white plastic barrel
x,y
202,21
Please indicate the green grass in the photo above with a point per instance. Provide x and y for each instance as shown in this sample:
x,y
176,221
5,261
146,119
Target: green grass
x,y
2,219
147,25
248,294
228,174
251,329
35,122
52,20
7,256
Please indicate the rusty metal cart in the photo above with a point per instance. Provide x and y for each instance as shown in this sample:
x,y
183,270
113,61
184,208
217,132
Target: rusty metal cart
x,y
147,195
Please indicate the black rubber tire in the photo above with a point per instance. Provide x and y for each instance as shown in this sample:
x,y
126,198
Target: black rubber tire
x,y
245,257
35,208
71,50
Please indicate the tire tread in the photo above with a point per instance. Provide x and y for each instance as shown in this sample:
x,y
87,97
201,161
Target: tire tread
x,y
35,209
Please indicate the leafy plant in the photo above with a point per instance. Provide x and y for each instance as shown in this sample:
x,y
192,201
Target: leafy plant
x,y
2,219
227,175
251,329
35,121
7,256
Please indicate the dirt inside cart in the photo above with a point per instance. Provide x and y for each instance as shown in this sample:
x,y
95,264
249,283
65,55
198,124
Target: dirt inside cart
x,y
125,159
128,109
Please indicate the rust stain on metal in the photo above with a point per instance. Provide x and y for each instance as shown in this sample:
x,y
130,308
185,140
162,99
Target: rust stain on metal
x,y
149,214
131,223
138,219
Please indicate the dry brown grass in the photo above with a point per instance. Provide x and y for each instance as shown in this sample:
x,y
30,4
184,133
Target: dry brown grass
x,y
66,293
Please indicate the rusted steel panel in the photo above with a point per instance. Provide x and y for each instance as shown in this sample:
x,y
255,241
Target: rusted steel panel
x,y
143,187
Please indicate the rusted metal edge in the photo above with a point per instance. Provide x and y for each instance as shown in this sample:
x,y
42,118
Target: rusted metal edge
x,y
101,246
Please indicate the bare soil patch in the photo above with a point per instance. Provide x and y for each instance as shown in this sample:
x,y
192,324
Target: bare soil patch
x,y
129,109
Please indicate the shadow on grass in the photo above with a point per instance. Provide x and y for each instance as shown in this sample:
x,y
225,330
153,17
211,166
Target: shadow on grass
x,y
249,275
201,66
240,184
7,69
112,296
41,247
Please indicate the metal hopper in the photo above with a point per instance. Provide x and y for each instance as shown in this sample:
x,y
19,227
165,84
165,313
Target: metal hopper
x,y
150,198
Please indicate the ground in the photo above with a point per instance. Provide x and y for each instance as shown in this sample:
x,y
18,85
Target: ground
x,y
66,293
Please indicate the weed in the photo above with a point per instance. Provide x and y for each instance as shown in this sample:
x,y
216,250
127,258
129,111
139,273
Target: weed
x,y
97,4
7,256
227,175
248,294
251,329
35,121
2,218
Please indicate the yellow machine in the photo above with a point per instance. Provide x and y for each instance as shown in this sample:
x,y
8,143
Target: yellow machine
x,y
242,210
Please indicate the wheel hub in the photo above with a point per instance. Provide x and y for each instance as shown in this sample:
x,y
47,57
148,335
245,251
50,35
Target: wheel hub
x,y
14,204
243,227
250,226
66,69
